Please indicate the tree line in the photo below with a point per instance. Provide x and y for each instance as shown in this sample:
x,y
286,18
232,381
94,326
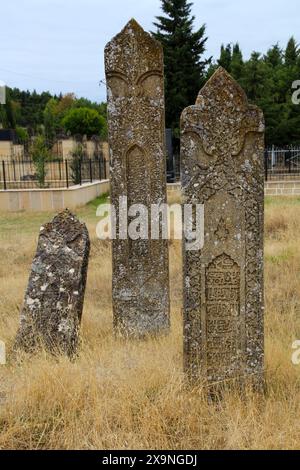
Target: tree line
x,y
266,78
268,82
31,113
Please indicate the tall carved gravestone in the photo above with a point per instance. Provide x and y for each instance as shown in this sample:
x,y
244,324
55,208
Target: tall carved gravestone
x,y
134,72
53,303
222,168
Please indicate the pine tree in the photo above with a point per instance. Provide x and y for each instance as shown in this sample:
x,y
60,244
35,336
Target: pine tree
x,y
183,55
291,53
274,56
225,57
237,63
254,82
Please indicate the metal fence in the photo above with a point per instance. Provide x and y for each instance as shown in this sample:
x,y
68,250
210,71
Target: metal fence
x,y
282,163
25,174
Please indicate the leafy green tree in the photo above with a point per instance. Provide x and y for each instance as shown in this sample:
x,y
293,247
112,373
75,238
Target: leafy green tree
x,y
185,66
40,155
22,135
34,110
77,157
51,120
54,113
84,121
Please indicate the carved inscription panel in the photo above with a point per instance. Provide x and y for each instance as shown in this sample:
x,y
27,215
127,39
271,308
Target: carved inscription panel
x,y
222,315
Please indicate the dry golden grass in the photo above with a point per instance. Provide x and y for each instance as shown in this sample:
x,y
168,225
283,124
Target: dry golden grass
x,y
131,395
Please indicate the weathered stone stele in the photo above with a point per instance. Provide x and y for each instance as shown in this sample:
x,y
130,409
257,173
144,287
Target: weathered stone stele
x,y
222,168
134,73
53,303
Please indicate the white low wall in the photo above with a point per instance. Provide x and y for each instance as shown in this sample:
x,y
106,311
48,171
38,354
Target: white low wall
x,y
282,188
272,188
51,199
56,199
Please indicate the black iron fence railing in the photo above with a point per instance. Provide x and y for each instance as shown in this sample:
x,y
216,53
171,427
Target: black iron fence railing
x,y
282,163
25,174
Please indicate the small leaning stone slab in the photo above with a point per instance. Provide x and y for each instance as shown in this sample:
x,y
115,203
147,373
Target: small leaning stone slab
x,y
53,303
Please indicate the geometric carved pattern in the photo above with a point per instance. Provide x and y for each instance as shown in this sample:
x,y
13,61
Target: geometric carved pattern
x,y
222,146
138,192
135,94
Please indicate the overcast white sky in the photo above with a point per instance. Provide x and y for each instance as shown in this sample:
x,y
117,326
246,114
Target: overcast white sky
x,y
57,45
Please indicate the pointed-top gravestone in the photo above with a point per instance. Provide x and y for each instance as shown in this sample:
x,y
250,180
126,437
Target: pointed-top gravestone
x,y
135,84
53,303
222,150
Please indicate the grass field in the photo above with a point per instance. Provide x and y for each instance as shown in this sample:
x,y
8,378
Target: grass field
x,y
131,395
